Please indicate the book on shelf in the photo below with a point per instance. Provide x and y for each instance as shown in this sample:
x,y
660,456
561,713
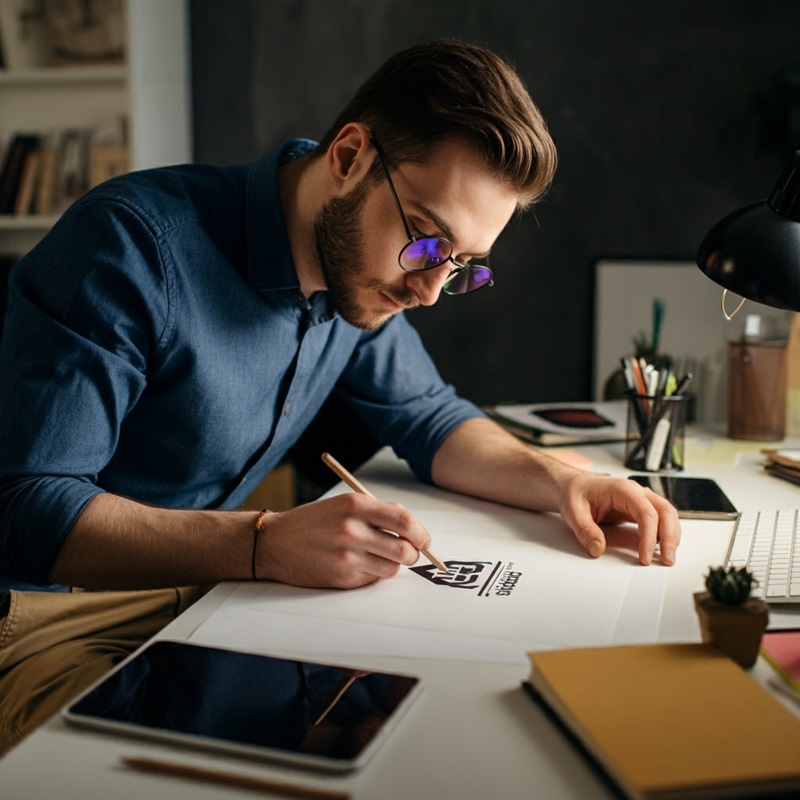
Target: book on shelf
x,y
44,200
44,172
19,147
109,154
72,167
26,193
106,161
664,721
563,423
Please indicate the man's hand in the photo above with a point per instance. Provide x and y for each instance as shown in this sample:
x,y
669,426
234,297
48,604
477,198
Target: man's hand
x,y
481,459
589,500
340,542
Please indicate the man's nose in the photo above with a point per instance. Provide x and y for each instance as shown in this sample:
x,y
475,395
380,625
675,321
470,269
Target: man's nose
x,y
427,284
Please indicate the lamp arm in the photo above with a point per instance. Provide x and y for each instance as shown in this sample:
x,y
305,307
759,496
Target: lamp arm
x,y
785,196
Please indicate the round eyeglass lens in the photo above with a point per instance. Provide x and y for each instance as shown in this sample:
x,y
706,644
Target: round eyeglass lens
x,y
468,279
424,254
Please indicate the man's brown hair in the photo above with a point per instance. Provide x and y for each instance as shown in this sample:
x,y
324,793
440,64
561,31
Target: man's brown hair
x,y
447,88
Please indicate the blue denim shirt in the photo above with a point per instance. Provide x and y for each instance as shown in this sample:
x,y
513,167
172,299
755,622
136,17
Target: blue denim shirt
x,y
157,346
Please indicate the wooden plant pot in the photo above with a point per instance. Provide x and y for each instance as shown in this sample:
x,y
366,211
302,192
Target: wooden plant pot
x,y
736,630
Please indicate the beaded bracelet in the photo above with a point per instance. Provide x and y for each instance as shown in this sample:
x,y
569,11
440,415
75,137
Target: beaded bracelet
x,y
257,531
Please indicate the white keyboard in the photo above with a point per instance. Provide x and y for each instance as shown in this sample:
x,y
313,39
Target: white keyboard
x,y
768,544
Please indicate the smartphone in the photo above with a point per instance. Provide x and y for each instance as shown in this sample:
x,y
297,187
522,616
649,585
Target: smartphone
x,y
694,498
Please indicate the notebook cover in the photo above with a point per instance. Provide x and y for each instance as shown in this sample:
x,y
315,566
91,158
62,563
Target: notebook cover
x,y
522,420
672,720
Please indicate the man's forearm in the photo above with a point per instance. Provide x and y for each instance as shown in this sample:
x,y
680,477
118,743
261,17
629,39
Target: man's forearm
x,y
121,544
480,458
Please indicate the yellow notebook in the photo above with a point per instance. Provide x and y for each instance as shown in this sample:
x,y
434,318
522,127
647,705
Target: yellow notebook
x,y
672,720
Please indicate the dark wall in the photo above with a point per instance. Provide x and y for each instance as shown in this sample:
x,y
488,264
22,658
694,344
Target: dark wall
x,y
665,116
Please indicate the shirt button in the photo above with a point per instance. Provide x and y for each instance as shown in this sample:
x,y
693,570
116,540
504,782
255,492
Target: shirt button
x,y
286,409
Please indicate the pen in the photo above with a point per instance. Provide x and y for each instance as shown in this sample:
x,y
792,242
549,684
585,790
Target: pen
x,y
641,385
658,444
638,376
232,779
356,486
679,390
649,433
684,382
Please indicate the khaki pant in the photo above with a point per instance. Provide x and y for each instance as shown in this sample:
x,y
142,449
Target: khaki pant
x,y
53,645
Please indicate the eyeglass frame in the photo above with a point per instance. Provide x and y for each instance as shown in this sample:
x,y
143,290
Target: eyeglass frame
x,y
459,267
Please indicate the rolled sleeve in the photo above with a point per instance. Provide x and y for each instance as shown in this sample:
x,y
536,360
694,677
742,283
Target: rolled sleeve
x,y
71,370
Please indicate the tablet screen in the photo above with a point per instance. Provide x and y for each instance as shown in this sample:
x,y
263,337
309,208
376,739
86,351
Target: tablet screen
x,y
299,711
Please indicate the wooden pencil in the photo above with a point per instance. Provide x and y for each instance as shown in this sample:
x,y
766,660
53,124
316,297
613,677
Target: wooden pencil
x,y
359,487
224,778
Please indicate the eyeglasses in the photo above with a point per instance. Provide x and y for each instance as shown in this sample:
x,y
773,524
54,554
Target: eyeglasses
x,y
428,252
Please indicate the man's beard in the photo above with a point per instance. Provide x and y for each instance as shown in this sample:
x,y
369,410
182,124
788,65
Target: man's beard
x,y
340,250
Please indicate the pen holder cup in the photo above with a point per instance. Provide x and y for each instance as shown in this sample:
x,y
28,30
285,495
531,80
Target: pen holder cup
x,y
655,433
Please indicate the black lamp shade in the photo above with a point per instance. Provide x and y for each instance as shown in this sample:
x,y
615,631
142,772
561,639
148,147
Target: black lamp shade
x,y
755,251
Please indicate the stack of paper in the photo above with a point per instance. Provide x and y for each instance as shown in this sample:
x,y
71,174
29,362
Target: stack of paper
x,y
783,464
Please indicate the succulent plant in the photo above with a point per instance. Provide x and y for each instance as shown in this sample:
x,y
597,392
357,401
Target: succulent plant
x,y
730,586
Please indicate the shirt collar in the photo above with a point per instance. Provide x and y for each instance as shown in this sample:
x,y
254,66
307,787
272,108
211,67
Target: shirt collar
x,y
270,266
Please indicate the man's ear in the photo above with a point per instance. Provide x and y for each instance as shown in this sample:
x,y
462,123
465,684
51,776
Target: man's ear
x,y
349,157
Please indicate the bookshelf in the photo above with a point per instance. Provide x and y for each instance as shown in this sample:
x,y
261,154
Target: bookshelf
x,y
150,91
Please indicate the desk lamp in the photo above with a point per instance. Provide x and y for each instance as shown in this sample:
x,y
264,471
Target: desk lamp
x,y
755,251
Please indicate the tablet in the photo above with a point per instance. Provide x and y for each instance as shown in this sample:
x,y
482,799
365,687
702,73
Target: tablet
x,y
297,712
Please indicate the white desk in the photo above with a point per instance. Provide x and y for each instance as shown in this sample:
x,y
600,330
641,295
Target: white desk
x,y
473,734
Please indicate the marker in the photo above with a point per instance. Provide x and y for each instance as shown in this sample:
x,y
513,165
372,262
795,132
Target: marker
x,y
656,451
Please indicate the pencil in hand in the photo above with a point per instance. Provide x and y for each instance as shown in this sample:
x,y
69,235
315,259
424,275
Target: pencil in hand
x,y
359,487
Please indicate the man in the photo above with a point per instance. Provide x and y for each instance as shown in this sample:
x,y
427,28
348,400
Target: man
x,y
176,331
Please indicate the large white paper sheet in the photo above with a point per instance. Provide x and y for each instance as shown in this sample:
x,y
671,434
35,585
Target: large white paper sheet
x,y
242,626
504,597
